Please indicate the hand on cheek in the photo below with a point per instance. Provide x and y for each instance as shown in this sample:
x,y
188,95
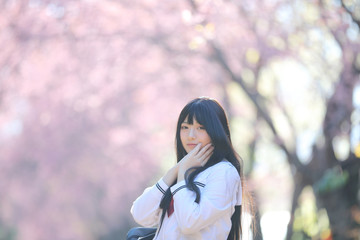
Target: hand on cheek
x,y
195,158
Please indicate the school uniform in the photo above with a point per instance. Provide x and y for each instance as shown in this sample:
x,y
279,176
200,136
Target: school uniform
x,y
220,188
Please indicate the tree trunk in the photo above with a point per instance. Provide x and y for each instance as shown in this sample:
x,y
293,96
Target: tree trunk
x,y
342,204
299,186
338,209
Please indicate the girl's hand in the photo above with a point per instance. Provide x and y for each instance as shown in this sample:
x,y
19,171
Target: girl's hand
x,y
195,158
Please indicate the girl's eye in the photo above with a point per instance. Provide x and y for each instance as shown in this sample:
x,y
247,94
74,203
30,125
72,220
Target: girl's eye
x,y
202,128
184,127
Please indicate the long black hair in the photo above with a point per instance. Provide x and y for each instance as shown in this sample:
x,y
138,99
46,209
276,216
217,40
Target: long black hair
x,y
209,113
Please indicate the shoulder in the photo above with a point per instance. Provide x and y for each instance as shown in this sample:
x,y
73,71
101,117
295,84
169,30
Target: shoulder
x,y
224,168
224,165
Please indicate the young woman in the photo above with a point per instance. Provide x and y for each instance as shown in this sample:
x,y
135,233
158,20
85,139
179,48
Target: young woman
x,y
201,196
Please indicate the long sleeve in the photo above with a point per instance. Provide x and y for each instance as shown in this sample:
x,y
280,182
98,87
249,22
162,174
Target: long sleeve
x,y
145,209
217,200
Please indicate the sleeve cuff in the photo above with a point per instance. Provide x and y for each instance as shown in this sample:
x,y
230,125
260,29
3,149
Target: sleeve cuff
x,y
177,187
161,186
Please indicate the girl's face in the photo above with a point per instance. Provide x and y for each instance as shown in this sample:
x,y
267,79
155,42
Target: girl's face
x,y
193,134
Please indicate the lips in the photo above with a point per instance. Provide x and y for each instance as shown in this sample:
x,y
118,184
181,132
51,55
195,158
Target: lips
x,y
191,145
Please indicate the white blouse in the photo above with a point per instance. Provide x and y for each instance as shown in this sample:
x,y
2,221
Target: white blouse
x,y
220,188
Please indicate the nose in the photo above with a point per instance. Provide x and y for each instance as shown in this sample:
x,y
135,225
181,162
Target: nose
x,y
192,133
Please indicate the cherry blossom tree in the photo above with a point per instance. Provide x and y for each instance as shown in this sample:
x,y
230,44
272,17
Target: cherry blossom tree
x,y
90,92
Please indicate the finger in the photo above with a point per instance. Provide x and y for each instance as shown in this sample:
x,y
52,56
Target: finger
x,y
206,154
203,150
195,150
205,161
206,150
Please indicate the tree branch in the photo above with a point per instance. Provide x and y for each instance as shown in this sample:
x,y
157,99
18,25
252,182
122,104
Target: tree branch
x,y
254,97
350,13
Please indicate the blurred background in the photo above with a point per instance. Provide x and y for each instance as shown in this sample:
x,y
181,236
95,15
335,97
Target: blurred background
x,y
90,92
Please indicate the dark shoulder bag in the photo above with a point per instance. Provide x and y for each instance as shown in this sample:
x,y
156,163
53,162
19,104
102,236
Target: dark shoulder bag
x,y
141,233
